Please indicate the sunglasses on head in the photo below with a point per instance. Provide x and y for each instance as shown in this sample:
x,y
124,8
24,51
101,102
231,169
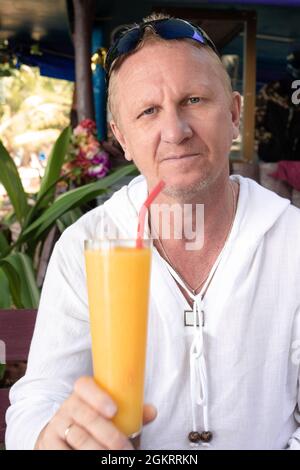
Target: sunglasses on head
x,y
170,28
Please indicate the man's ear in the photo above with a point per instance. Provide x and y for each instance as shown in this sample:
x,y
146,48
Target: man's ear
x,y
120,138
236,114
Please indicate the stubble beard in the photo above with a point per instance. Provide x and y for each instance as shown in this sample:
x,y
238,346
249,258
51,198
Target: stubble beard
x,y
191,192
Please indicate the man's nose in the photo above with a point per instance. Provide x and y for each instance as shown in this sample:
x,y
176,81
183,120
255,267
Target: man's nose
x,y
175,128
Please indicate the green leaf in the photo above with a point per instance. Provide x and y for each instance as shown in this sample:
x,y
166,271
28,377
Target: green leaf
x,y
38,205
4,245
5,297
11,181
68,219
2,370
54,165
30,293
9,218
70,200
14,281
23,287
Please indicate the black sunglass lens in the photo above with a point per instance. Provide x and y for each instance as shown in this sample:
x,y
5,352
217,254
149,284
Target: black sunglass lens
x,y
175,29
129,41
125,43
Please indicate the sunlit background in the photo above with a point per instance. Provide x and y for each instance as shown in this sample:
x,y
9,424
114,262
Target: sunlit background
x,y
33,111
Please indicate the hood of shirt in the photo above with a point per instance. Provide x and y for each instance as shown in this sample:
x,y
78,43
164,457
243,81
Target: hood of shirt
x,y
257,211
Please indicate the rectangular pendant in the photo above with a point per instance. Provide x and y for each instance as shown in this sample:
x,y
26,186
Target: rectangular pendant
x,y
189,318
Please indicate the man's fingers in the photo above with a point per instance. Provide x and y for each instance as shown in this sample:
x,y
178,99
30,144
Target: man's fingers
x,y
149,413
54,442
79,439
94,423
87,389
58,444
89,392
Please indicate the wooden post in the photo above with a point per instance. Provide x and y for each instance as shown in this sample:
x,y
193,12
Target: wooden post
x,y
83,19
249,88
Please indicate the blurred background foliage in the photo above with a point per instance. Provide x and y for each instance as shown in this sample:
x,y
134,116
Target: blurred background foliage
x,y
30,105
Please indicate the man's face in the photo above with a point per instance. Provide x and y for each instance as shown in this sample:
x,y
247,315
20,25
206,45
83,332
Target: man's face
x,y
175,119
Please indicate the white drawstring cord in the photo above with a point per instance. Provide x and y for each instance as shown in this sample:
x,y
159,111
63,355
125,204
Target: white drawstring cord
x,y
198,372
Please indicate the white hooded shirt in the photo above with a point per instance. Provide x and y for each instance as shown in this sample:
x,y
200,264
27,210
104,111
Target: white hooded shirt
x,y
251,335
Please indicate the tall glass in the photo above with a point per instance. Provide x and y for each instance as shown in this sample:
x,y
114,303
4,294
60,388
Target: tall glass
x,y
118,279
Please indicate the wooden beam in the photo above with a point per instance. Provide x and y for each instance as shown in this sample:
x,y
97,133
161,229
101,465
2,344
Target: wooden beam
x,y
249,88
83,20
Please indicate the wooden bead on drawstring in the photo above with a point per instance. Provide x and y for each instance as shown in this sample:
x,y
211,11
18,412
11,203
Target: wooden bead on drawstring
x,y
194,436
206,436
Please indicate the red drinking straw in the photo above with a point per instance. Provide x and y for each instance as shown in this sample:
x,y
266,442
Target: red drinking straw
x,y
153,194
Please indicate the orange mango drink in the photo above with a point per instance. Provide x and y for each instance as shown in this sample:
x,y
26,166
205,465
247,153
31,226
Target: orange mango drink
x,y
118,279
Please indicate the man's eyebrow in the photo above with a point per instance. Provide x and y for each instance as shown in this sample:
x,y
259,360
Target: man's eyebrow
x,y
199,86
143,104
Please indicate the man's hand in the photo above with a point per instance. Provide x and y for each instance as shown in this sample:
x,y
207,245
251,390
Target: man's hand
x,y
88,413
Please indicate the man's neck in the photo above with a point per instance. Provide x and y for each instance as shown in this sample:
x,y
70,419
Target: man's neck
x,y
219,209
214,203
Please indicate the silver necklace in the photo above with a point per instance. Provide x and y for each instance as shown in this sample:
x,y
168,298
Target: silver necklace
x,y
194,291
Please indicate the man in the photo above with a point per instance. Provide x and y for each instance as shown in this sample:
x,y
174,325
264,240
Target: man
x,y
234,382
